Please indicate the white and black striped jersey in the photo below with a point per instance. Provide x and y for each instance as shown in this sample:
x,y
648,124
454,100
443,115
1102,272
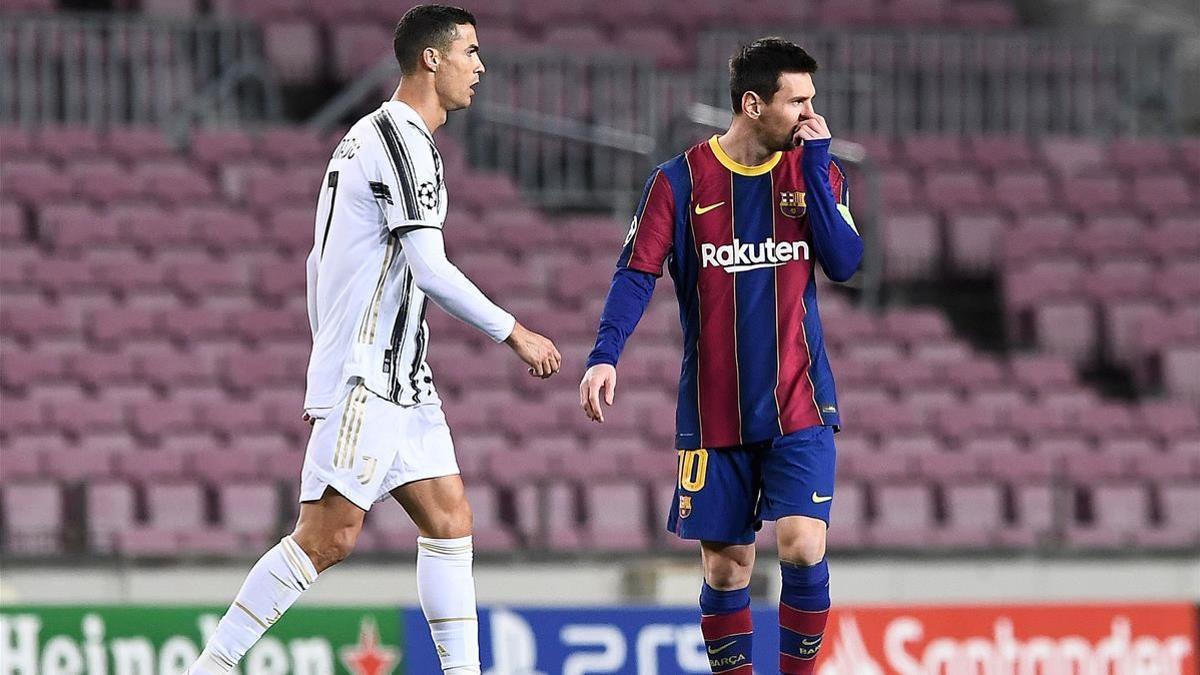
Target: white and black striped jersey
x,y
366,312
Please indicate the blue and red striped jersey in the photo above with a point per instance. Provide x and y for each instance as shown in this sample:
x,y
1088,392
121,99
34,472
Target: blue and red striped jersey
x,y
739,244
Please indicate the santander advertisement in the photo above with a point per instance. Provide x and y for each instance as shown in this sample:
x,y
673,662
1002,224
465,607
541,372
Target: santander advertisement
x,y
1013,640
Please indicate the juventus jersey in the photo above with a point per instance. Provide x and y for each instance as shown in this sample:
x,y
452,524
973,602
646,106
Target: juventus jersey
x,y
367,314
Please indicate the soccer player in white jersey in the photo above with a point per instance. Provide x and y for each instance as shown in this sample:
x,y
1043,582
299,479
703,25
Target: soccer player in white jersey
x,y
377,258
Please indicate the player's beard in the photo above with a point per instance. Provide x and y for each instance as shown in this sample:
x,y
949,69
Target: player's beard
x,y
788,142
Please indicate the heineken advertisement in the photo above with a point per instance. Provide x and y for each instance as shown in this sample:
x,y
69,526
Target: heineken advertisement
x,y
164,640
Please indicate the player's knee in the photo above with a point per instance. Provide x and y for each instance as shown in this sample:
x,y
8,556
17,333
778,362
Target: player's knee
x,y
728,574
802,541
729,567
332,547
450,523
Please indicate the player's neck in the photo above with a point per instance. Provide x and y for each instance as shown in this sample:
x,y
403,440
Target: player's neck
x,y
424,100
742,146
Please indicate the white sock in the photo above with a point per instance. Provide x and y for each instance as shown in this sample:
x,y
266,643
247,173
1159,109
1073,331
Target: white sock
x,y
447,592
274,583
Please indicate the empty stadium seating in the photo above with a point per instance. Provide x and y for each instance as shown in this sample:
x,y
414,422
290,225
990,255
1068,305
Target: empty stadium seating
x,y
306,41
154,341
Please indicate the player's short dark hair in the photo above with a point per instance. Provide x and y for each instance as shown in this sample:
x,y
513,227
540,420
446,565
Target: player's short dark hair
x,y
757,66
426,26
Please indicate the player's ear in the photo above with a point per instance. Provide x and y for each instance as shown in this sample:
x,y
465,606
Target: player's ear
x,y
751,105
430,58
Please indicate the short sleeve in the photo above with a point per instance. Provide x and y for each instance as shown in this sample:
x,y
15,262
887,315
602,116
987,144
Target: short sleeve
x,y
406,176
652,231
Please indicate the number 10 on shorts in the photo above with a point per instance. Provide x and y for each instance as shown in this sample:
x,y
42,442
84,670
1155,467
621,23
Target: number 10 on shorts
x,y
693,466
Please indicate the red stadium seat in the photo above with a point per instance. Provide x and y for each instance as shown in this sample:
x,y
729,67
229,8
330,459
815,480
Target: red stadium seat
x,y
933,152
1141,154
973,240
1071,156
974,514
111,508
563,531
76,228
1068,328
218,146
1025,190
667,50
33,519
912,246
250,511
985,14
175,181
1093,193
134,144
1178,527
33,180
293,47
616,516
904,516
297,144
105,181
1117,512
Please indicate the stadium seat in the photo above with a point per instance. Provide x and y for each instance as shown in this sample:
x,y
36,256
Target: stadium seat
x,y
218,146
33,519
1178,527
973,240
134,144
904,516
974,514
1068,328
249,511
84,464
105,181
1117,511
616,516
489,531
560,507
293,47
110,508
667,50
1071,156
350,56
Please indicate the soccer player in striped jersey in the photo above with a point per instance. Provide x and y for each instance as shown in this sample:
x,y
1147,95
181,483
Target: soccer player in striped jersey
x,y
741,222
378,257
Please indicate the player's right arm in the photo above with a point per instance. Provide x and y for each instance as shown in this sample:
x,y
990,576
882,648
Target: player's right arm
x,y
649,243
409,173
442,281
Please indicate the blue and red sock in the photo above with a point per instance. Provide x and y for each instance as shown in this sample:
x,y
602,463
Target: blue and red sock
x,y
728,629
803,612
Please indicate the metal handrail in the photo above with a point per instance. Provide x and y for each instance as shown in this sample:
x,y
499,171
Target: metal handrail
x,y
946,82
179,127
100,69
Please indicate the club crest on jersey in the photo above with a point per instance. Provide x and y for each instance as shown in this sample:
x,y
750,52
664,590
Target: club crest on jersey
x,y
685,506
791,204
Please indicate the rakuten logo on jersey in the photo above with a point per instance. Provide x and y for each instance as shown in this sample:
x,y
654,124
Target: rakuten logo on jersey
x,y
743,256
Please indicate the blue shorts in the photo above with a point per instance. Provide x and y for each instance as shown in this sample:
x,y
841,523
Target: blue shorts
x,y
724,494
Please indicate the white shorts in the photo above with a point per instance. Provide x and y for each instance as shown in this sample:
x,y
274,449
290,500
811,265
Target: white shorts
x,y
367,446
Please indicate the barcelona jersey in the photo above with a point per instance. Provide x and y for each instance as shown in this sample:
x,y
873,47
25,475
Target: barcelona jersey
x,y
738,243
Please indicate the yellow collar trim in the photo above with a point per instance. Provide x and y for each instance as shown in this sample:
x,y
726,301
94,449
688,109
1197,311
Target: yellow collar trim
x,y
742,169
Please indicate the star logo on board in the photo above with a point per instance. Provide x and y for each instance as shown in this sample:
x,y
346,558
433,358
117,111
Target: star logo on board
x,y
369,657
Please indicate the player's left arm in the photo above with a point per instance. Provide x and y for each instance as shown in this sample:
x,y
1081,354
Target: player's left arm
x,y
836,241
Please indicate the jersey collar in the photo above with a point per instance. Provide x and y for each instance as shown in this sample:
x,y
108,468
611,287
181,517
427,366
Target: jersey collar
x,y
742,169
406,111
